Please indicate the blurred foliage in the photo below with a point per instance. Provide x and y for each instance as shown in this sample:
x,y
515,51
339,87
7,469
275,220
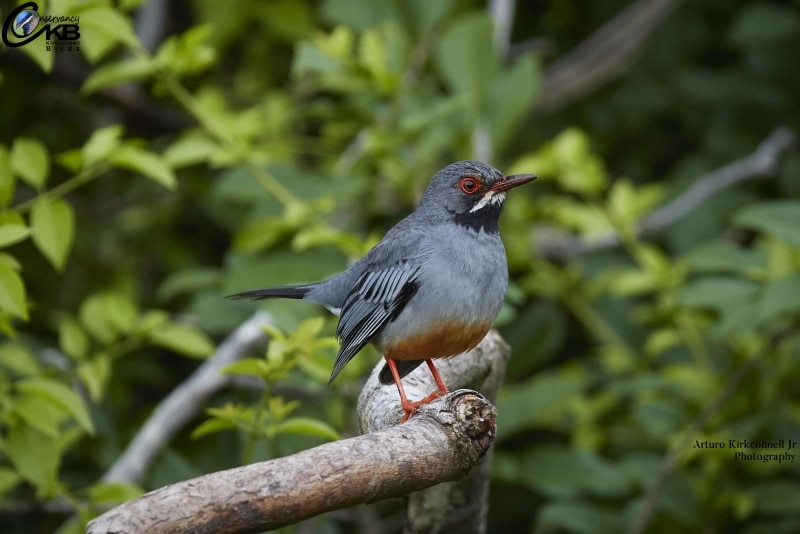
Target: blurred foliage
x,y
214,147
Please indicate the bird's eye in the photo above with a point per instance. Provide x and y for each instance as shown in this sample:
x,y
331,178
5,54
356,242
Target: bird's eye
x,y
469,185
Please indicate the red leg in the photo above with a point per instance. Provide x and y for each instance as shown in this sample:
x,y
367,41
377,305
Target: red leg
x,y
439,381
410,407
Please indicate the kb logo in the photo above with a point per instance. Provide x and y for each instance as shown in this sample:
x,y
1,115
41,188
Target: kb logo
x,y
23,22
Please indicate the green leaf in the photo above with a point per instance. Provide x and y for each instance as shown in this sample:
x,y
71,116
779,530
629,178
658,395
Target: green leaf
x,y
17,358
428,14
247,366
307,427
560,471
145,162
778,297
777,498
101,143
261,233
30,161
113,492
577,517
71,338
122,311
211,426
108,314
94,316
513,94
41,414
188,281
372,54
187,53
183,339
763,25
579,169
661,340
531,404
467,58
95,373
53,227
35,456
102,28
6,177
725,256
718,293
12,293
13,233
308,330
60,395
780,218
190,150
8,479
127,70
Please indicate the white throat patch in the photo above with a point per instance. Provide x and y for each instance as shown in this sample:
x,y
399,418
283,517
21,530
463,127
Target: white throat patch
x,y
490,198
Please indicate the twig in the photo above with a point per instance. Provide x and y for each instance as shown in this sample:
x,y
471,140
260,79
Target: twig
x,y
185,401
601,56
442,442
503,15
760,163
671,459
151,23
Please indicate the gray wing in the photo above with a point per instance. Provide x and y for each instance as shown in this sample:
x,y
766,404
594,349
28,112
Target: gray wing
x,y
376,298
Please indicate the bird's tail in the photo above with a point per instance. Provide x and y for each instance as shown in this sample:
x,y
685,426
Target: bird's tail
x,y
287,292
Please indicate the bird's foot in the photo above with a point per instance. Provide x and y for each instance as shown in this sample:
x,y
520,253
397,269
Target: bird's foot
x,y
411,407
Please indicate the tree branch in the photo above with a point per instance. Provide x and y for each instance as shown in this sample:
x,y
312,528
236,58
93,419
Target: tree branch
x,y
762,162
460,506
185,401
602,55
442,442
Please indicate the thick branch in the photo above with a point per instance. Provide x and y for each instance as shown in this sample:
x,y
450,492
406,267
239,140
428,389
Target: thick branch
x,y
460,506
442,442
185,401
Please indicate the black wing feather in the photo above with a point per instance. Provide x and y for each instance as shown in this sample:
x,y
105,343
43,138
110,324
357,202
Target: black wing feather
x,y
377,298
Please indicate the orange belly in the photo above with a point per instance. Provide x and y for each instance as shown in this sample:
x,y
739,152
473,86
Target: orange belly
x,y
446,339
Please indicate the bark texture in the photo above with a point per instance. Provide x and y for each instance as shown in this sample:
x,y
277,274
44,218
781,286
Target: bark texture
x,y
442,442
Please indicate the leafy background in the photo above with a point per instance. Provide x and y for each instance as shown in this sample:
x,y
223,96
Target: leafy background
x,y
194,149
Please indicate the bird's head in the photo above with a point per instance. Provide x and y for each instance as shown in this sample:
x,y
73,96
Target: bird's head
x,y
471,192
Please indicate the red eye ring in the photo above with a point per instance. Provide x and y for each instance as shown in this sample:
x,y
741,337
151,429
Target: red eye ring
x,y
469,185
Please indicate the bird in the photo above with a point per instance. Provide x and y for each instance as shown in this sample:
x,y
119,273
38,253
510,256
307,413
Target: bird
x,y
26,21
431,288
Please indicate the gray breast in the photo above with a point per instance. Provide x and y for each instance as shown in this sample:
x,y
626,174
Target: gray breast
x,y
463,277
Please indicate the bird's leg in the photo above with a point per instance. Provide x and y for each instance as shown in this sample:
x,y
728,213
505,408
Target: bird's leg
x,y
410,407
439,382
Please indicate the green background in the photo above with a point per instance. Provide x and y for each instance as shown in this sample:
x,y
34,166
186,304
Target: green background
x,y
194,149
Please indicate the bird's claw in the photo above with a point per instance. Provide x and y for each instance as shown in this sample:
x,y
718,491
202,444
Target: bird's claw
x,y
411,407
